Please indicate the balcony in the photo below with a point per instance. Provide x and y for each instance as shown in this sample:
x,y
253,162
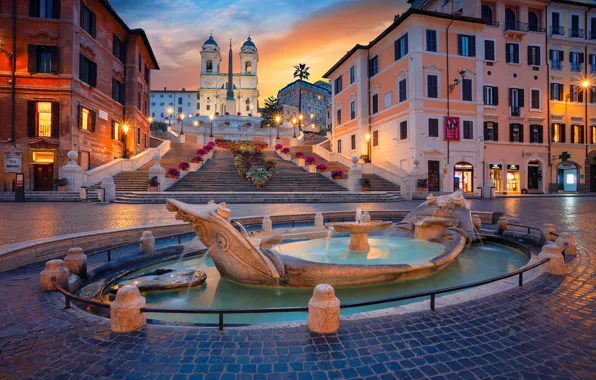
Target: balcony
x,y
556,65
557,30
492,22
593,35
576,67
536,28
593,68
576,33
515,111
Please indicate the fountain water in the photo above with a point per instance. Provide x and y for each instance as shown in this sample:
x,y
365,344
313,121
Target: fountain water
x,y
244,231
200,262
358,215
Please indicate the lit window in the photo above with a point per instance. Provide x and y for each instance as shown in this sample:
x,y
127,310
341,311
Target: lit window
x,y
116,132
44,114
85,116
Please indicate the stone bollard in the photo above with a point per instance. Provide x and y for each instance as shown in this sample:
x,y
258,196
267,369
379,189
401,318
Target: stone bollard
x,y
502,225
54,268
565,238
476,221
365,217
76,262
323,310
125,315
267,225
556,265
148,243
547,232
319,225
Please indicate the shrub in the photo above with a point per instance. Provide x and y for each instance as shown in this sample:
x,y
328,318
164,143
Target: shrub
x,y
278,146
238,114
311,160
184,166
285,150
153,182
322,166
201,152
422,182
337,173
196,160
60,181
173,172
211,143
365,183
299,155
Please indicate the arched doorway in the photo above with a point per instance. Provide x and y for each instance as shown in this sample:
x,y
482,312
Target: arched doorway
x,y
510,19
463,177
568,177
591,171
487,13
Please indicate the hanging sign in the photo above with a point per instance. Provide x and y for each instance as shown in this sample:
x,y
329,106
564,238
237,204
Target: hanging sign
x,y
451,128
13,161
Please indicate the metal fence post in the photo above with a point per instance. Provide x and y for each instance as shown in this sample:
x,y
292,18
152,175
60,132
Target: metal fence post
x,y
521,278
221,321
109,255
432,302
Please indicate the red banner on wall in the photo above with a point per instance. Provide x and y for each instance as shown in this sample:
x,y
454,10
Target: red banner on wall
x,y
451,128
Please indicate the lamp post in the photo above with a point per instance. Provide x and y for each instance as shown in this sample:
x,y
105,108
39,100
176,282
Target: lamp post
x,y
125,131
170,111
294,121
211,117
277,121
300,117
367,148
181,117
586,85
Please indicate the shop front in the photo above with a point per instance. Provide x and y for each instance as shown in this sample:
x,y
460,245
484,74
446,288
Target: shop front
x,y
568,177
463,177
513,183
42,163
496,175
506,177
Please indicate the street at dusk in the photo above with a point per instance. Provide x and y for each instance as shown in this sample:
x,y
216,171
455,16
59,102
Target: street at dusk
x,y
340,189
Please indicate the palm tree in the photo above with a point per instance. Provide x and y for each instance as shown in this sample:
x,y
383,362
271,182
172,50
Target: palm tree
x,y
300,71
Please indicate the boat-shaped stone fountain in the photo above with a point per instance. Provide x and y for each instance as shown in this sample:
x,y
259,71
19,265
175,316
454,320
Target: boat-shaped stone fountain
x,y
444,220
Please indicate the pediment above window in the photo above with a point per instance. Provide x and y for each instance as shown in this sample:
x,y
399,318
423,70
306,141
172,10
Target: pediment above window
x,y
44,37
88,51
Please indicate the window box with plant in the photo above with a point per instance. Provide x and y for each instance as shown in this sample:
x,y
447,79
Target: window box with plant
x,y
61,183
322,167
365,184
422,184
173,173
153,184
337,174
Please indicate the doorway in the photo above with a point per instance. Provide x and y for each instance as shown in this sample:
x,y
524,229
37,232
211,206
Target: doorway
x,y
593,178
463,177
433,176
567,177
534,177
43,179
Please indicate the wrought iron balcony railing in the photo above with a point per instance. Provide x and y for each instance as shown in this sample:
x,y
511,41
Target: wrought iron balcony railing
x,y
557,31
515,111
517,26
556,65
576,67
576,33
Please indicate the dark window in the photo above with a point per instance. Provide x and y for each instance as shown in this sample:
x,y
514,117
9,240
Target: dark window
x,y
534,56
43,119
87,71
373,66
466,90
516,133
87,20
139,100
401,47
535,95
140,67
43,59
147,75
353,142
352,74
338,117
179,101
489,50
432,86
139,136
338,146
491,95
403,130
433,127
576,94
375,138
486,13
575,31
338,85
44,8
117,90
403,91
576,60
466,45
431,40
556,57
118,48
532,22
536,134
491,131
375,103
512,53
510,19
556,91
352,110
468,130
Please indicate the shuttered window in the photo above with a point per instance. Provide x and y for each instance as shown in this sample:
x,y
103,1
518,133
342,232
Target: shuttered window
x,y
87,20
44,8
466,45
489,50
43,119
43,59
87,71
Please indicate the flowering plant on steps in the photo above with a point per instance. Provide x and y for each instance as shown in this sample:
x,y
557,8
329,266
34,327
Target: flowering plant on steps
x,y
337,174
278,146
299,154
322,167
173,173
285,150
184,166
197,160
201,152
311,160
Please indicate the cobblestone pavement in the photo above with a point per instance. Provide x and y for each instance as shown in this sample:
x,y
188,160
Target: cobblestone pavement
x,y
546,329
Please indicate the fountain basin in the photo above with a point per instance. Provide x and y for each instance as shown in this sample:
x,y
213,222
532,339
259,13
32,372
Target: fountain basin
x,y
359,232
165,279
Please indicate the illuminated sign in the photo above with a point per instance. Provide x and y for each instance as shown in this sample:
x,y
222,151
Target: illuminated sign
x,y
43,157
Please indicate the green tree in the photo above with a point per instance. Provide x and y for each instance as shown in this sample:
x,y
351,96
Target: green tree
x,y
271,110
301,72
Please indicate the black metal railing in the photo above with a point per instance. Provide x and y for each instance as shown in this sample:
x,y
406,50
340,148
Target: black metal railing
x,y
517,26
593,68
556,65
576,33
536,28
111,248
576,66
557,30
529,228
491,22
515,111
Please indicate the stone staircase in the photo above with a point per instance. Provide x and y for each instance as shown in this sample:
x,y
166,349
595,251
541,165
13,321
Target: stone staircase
x,y
378,183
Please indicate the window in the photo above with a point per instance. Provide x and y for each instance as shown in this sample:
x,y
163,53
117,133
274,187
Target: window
x,y
433,127
510,19
431,40
86,119
353,110
373,66
486,13
468,130
375,103
556,57
491,131
512,52
388,100
516,133
87,71
44,8
209,66
43,119
558,132
403,90
401,47
576,60
536,133
139,100
87,20
118,48
516,100
352,74
118,91
248,67
353,142
148,76
489,50
138,136
556,91
403,130
556,28
593,134
432,86
115,130
575,31
535,99
577,134
533,22
140,63
466,86
592,94
534,56
338,85
576,93
338,117
43,59
466,45
338,146
491,95
375,138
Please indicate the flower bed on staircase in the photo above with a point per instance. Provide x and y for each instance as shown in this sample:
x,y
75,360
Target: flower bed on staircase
x,y
249,161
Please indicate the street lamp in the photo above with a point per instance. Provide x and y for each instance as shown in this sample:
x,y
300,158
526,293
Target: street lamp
x,y
300,117
368,147
294,121
170,111
125,131
181,117
211,117
586,85
277,121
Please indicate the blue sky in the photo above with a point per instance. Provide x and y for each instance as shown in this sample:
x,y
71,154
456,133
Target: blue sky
x,y
286,32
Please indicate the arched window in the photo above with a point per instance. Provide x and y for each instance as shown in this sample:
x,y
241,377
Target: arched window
x,y
209,66
532,21
510,23
487,13
248,67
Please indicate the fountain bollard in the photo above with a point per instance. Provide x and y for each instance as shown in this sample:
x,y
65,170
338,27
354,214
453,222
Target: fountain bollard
x,y
267,225
547,232
566,239
147,243
76,262
54,268
319,225
323,310
365,217
556,265
476,221
125,313
502,225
